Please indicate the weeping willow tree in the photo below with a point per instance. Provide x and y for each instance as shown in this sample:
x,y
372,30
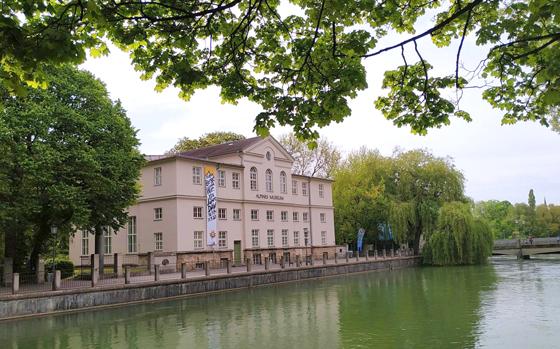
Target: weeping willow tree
x,y
459,238
418,184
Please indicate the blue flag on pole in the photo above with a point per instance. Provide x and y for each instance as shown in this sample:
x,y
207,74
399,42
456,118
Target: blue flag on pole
x,y
361,233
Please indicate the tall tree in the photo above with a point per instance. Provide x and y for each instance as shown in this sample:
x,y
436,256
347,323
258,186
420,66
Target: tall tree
x,y
317,159
72,162
499,215
532,201
212,138
304,64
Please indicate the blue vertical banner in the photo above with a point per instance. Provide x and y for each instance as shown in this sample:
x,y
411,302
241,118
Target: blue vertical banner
x,y
211,201
361,233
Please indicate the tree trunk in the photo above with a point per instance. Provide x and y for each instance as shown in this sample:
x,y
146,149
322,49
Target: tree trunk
x,y
100,248
39,244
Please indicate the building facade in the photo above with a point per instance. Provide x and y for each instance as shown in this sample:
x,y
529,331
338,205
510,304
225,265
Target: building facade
x,y
263,210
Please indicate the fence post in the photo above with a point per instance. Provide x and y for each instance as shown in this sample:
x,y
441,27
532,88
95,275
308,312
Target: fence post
x,y
282,262
117,264
367,255
311,262
228,266
40,271
357,256
265,263
346,256
298,261
207,268
248,262
325,256
8,270
94,266
183,270
335,257
375,254
156,272
127,274
392,252
15,283
56,280
151,261
384,253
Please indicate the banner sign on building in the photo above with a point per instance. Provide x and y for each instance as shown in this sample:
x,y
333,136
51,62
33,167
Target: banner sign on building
x,y
211,205
361,233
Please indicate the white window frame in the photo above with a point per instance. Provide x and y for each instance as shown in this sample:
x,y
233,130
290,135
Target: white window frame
x,y
321,191
270,237
85,243
157,176
235,180
158,213
197,212
158,241
306,240
268,180
255,238
295,216
255,216
270,215
284,216
283,183
222,239
323,217
305,216
304,188
296,237
197,175
285,237
222,213
108,240
254,178
236,214
294,187
323,237
221,178
132,236
198,240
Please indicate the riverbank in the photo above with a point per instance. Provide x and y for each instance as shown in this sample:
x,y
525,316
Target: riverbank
x,y
28,305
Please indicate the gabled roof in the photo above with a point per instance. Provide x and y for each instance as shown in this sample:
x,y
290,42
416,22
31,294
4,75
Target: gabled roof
x,y
221,149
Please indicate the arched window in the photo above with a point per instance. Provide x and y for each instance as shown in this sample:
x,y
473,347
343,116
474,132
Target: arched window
x,y
253,178
268,180
283,183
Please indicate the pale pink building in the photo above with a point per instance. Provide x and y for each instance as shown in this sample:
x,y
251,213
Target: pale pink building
x,y
263,209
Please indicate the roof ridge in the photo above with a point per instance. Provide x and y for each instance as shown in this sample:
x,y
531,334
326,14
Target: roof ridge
x,y
222,148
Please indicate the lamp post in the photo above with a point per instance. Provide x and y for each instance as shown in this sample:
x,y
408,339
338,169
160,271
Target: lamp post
x,y
54,232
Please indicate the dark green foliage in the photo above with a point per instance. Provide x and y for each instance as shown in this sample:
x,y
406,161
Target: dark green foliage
x,y
459,238
212,138
61,263
304,65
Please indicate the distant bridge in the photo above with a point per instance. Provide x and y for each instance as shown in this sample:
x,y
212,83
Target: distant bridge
x,y
523,248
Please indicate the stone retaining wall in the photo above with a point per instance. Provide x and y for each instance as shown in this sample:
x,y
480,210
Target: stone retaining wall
x,y
71,300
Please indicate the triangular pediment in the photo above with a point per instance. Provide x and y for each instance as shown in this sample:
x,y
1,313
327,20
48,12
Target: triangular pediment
x,y
269,143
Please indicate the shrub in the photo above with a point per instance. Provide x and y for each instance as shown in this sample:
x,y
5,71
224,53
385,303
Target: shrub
x,y
63,264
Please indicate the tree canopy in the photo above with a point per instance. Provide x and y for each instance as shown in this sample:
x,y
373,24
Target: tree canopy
x,y
302,61
319,160
212,138
70,160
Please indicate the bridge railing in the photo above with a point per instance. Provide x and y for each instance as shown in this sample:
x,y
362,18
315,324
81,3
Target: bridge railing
x,y
514,243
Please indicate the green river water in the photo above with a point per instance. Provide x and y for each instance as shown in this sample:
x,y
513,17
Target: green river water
x,y
505,304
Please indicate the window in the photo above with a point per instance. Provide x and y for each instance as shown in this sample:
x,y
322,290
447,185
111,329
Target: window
x,y
304,216
324,237
303,188
306,236
198,236
285,237
255,237
108,240
236,214
158,214
296,216
221,178
294,187
197,175
157,176
132,234
296,238
284,216
321,191
197,212
85,243
253,178
235,180
158,238
268,156
283,183
222,241
257,258
268,180
269,215
270,237
222,213
255,215
323,218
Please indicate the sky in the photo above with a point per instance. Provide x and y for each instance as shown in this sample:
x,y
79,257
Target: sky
x,y
498,162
